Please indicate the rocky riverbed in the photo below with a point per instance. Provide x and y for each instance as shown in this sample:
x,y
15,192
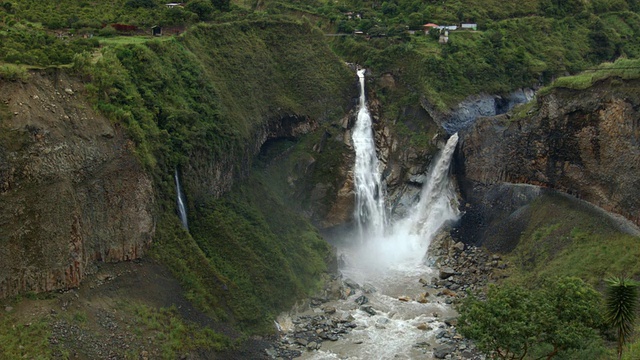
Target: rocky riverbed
x,y
400,315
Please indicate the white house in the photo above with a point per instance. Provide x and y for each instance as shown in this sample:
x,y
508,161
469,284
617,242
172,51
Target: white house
x,y
172,5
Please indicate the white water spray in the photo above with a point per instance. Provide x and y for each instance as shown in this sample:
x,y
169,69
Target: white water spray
x,y
392,260
406,241
182,210
438,201
370,210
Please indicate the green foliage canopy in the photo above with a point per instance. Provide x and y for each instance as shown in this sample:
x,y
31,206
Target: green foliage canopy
x,y
513,322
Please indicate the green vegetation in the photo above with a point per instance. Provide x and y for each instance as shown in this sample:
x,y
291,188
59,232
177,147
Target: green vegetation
x,y
249,256
48,33
191,100
293,168
175,337
210,89
562,318
200,99
517,43
11,72
507,54
20,340
271,257
621,310
625,69
569,239
632,350
566,238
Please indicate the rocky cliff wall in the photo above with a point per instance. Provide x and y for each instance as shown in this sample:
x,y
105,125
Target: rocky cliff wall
x,y
585,143
71,190
207,177
403,164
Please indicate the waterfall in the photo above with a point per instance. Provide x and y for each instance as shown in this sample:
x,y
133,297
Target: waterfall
x,y
370,209
405,242
390,265
182,210
438,201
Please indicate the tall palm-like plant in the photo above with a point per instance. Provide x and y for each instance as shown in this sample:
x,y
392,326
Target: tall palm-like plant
x,y
622,303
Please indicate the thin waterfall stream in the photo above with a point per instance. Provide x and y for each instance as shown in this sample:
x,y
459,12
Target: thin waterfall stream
x,y
180,202
388,261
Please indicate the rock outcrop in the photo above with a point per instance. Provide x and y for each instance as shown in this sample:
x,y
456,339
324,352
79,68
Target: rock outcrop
x,y
585,143
464,114
72,192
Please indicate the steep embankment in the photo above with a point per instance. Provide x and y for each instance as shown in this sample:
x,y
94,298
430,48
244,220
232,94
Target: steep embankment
x,y
515,168
81,188
585,143
72,190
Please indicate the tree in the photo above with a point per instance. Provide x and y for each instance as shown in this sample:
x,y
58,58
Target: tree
x,y
503,323
8,7
389,8
222,5
149,4
416,20
621,306
571,315
202,8
561,8
513,322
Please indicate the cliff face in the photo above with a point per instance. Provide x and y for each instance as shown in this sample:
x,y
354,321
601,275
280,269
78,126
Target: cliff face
x,y
74,191
331,196
71,190
585,143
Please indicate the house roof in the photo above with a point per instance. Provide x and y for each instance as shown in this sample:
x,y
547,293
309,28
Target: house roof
x,y
430,25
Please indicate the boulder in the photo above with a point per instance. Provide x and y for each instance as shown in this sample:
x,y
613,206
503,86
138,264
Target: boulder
x,y
361,300
440,352
368,309
446,272
459,246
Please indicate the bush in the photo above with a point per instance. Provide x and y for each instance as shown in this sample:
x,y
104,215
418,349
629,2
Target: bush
x,y
11,72
562,316
108,31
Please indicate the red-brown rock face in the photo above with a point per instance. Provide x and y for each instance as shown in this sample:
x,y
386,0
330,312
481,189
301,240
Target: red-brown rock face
x,y
71,190
585,143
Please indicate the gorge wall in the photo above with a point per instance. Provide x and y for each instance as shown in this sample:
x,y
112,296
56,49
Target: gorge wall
x,y
72,192
320,169
81,186
581,142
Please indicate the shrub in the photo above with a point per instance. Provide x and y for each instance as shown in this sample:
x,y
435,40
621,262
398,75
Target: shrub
x,y
11,72
562,316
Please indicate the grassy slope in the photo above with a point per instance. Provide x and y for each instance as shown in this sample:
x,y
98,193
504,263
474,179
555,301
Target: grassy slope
x,y
567,238
267,68
623,69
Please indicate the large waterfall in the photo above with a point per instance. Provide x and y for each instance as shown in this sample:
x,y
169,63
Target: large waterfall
x,y
370,209
182,210
405,241
392,260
